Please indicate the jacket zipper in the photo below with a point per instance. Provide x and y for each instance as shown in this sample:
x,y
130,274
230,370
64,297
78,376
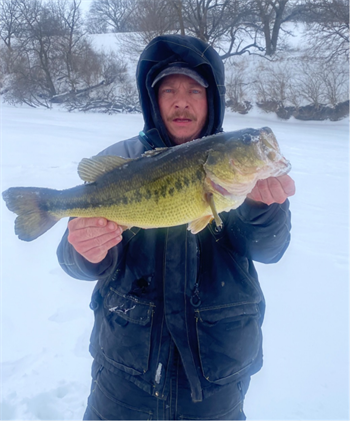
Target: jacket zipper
x,y
195,298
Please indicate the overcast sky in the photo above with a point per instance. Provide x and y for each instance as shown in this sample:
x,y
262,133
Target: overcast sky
x,y
85,5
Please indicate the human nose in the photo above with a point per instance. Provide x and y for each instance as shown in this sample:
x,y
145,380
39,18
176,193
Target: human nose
x,y
181,101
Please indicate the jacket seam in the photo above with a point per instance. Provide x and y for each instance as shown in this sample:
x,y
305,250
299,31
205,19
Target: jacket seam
x,y
160,340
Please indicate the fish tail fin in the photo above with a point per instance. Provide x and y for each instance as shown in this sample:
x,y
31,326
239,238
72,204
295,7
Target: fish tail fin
x,y
29,203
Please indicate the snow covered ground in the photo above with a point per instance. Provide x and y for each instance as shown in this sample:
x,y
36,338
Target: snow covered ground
x,y
45,315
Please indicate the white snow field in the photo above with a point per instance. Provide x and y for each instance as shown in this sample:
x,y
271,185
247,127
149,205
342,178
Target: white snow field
x,y
45,315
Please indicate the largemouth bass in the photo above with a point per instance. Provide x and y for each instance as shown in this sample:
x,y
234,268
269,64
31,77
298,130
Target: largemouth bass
x,y
186,184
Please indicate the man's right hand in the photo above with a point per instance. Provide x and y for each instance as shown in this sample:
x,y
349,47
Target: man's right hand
x,y
93,237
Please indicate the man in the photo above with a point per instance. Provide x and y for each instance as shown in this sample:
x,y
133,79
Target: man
x,y
178,317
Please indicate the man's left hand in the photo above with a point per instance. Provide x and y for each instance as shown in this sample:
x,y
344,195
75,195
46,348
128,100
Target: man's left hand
x,y
273,190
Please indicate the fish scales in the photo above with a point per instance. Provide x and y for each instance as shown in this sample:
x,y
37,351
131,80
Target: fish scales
x,y
160,201
190,183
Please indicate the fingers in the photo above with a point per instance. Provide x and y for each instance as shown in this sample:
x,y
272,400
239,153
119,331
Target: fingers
x,y
80,223
273,190
93,237
97,254
287,184
255,193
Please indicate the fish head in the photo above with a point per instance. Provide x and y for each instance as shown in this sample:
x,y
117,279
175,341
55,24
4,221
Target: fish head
x,y
245,157
256,151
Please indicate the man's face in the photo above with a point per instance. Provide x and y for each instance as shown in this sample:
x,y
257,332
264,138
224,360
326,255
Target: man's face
x,y
183,107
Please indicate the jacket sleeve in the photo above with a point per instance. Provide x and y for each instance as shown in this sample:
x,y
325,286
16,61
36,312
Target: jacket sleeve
x,y
260,232
75,265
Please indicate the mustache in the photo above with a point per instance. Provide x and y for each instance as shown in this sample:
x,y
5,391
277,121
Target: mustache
x,y
182,114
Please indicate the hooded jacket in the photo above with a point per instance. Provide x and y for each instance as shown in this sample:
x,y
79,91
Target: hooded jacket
x,y
165,288
202,58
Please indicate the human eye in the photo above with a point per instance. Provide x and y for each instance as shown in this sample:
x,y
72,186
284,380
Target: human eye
x,y
167,90
196,90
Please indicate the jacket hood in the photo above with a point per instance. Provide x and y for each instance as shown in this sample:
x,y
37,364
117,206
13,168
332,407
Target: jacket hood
x,y
158,54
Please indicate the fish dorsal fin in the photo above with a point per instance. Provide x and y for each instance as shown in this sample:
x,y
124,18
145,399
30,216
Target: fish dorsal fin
x,y
155,152
90,169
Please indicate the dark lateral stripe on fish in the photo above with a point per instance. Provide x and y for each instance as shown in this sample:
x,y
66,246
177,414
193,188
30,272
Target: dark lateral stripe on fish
x,y
65,200
165,188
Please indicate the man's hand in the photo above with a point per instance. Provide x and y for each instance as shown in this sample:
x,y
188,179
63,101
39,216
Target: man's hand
x,y
93,237
273,190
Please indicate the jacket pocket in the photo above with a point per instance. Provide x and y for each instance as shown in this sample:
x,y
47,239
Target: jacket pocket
x,y
229,341
125,336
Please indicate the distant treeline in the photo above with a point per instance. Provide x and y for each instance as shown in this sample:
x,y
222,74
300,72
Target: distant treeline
x,y
47,53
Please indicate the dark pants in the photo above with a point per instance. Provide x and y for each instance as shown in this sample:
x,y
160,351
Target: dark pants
x,y
115,398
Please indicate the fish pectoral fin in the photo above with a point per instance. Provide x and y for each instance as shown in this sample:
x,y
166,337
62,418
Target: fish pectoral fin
x,y
90,169
199,224
217,219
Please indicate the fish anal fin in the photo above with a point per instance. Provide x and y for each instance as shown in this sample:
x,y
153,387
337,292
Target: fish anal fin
x,y
90,169
125,227
199,224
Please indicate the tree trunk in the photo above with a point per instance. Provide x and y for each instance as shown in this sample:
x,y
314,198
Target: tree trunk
x,y
277,25
268,44
178,7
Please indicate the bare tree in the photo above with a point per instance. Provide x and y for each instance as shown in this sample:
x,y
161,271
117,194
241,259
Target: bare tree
x,y
149,19
110,15
328,28
178,8
232,26
274,84
238,85
335,77
154,18
53,60
271,15
9,14
72,43
40,29
227,25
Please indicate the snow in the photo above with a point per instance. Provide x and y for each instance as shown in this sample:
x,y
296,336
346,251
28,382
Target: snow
x,y
45,316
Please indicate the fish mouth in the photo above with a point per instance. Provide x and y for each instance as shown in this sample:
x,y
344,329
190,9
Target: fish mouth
x,y
285,166
282,164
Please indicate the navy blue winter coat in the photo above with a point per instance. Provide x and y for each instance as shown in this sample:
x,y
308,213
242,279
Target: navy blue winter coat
x,y
166,286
